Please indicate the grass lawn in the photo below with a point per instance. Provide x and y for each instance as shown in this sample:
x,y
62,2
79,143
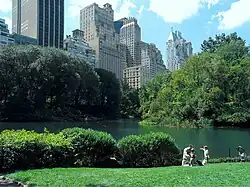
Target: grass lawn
x,y
236,174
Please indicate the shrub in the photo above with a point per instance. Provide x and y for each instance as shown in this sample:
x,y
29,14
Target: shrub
x,y
226,160
27,149
150,150
90,147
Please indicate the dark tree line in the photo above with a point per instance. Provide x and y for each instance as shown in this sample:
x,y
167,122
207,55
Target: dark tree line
x,y
38,84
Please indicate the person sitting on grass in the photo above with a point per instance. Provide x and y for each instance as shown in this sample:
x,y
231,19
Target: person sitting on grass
x,y
192,157
242,153
206,154
186,156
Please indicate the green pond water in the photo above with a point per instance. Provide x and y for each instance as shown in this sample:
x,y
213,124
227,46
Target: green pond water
x,y
219,141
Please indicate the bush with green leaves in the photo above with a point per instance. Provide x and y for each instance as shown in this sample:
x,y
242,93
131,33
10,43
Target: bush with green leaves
x,y
149,150
90,147
227,160
23,149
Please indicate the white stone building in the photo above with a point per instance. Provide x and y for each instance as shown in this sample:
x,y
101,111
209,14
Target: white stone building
x,y
98,26
178,50
76,45
5,37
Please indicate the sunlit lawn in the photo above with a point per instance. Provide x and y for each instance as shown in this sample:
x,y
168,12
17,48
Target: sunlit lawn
x,y
236,174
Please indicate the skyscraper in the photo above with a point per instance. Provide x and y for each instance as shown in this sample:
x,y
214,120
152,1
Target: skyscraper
x,y
98,26
130,35
178,50
41,19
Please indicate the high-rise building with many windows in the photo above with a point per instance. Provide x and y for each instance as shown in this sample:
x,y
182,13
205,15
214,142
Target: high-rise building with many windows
x,y
99,31
5,37
151,65
143,60
178,50
130,36
40,19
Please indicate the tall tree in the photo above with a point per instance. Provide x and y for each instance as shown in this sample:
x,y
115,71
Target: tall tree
x,y
110,93
212,44
130,103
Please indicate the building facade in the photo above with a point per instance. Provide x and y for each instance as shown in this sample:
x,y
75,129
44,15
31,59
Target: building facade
x,y
99,31
130,36
24,40
5,37
151,65
118,25
135,76
143,61
178,50
76,45
40,19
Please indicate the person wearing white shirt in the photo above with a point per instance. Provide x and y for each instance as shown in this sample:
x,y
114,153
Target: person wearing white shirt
x,y
242,153
186,159
206,154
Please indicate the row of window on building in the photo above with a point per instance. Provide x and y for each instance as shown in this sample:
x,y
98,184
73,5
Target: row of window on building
x,y
75,44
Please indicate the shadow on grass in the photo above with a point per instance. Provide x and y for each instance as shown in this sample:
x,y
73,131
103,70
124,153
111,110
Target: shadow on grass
x,y
25,181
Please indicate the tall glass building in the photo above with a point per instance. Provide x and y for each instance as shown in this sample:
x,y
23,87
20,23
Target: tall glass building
x,y
40,19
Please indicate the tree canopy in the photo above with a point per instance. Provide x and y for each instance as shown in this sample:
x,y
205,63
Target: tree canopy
x,y
212,88
212,44
47,84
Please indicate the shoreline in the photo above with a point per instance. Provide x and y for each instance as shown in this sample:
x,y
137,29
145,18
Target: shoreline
x,y
154,124
88,119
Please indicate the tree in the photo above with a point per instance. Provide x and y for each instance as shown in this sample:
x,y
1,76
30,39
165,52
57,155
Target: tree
x,y
149,92
40,83
130,103
212,88
212,44
110,93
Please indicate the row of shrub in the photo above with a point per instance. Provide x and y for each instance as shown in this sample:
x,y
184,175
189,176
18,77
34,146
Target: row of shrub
x,y
77,147
227,160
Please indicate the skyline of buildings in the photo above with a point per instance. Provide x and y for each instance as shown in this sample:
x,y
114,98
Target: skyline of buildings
x,y
40,19
178,50
76,45
143,61
99,31
112,45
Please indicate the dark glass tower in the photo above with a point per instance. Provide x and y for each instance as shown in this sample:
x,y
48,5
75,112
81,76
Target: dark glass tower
x,y
41,19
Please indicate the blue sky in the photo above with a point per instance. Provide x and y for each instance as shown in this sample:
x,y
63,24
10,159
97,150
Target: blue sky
x,y
196,19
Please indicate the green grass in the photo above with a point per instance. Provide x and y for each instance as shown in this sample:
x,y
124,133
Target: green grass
x,y
236,174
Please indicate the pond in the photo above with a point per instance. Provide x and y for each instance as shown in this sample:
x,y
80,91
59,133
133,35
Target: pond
x,y
219,141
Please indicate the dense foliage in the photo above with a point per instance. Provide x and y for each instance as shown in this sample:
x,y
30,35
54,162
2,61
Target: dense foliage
x,y
72,147
150,150
47,84
130,103
90,147
26,149
78,147
212,44
212,88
